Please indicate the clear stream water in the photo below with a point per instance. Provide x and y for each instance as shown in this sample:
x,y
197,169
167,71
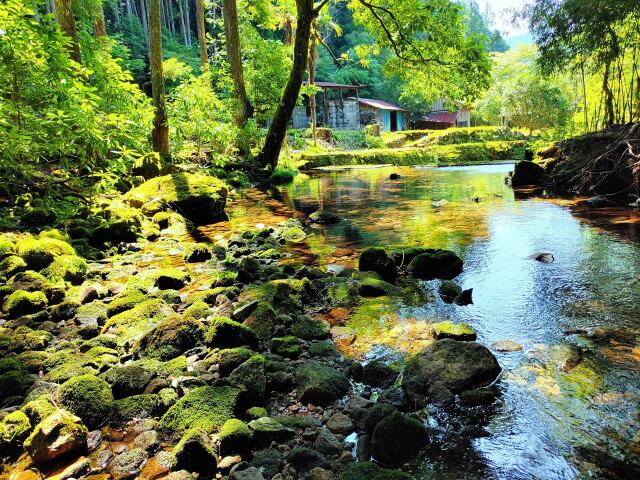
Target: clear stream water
x,y
569,405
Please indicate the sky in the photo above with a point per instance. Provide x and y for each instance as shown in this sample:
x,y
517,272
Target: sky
x,y
503,18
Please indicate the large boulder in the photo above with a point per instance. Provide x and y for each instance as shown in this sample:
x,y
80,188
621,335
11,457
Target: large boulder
x,y
376,259
371,471
195,452
319,384
200,198
58,435
450,364
528,173
442,264
88,397
397,438
171,338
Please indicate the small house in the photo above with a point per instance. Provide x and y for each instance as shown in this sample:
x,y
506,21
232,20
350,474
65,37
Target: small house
x,y
334,108
440,118
390,117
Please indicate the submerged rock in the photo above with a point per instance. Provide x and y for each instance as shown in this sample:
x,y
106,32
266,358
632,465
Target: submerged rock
x,y
457,366
324,217
449,290
528,173
506,346
455,331
442,264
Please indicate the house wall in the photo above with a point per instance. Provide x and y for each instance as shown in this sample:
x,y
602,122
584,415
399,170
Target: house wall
x,y
344,115
464,118
300,118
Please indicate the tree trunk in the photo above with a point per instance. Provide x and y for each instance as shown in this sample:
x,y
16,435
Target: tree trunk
x,y
145,20
202,36
312,81
99,26
182,22
160,134
609,114
172,20
232,35
188,21
67,23
273,143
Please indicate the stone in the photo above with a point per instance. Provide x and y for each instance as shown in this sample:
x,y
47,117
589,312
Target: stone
x,y
442,264
449,290
318,473
458,365
195,452
378,374
303,458
464,298
128,465
455,331
528,173
267,430
268,460
225,332
88,397
58,435
251,473
14,429
371,471
397,438
506,346
200,252
544,257
251,379
288,347
319,384
77,469
128,380
148,441
324,217
22,302
340,423
327,443
235,436
376,259
171,338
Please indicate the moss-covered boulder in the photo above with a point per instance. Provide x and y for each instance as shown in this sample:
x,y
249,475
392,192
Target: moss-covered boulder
x,y
375,287
58,435
262,320
195,452
68,268
442,264
311,329
7,248
197,311
207,296
171,338
129,326
88,397
454,365
377,373
320,384
224,332
251,379
125,301
171,279
22,302
398,438
14,429
231,358
371,471
11,265
128,380
200,252
376,259
288,347
145,405
235,436
38,217
455,331
39,253
200,198
204,407
266,430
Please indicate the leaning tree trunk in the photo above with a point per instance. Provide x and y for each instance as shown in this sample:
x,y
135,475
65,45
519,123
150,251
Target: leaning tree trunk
x,y
312,81
609,114
234,56
68,27
268,157
99,26
160,133
202,36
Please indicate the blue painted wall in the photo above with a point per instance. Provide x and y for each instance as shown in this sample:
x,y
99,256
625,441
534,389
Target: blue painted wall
x,y
385,116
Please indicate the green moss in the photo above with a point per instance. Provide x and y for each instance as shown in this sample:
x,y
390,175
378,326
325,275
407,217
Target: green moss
x,y
162,219
171,338
194,452
207,296
125,301
11,265
22,302
262,320
7,247
371,471
295,421
171,278
169,296
40,252
33,361
138,406
54,233
225,332
14,429
319,384
375,287
323,349
94,313
288,347
62,373
283,174
293,234
257,412
38,409
311,329
231,358
196,311
251,378
207,408
131,325
60,425
458,331
223,278
88,397
234,436
200,252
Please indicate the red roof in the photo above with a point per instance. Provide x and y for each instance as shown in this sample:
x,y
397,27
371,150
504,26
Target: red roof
x,y
381,104
441,117
334,85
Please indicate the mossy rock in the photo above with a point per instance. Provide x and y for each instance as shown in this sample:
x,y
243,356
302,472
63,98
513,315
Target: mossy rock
x,y
94,313
293,234
145,405
55,233
38,409
224,332
262,320
198,197
38,217
455,331
14,429
171,297
128,380
376,259
397,438
257,412
311,329
171,279
449,290
22,302
68,268
129,326
374,287
371,471
207,408
442,264
59,435
7,248
207,296
171,338
235,436
14,382
162,219
324,348
320,384
30,281
195,452
379,374
196,311
39,253
25,339
288,347
231,358
88,397
11,265
200,252
251,379
125,301
63,311
267,429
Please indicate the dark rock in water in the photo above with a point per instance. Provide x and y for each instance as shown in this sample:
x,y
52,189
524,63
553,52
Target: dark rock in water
x,y
464,298
371,471
376,414
378,374
455,331
375,259
394,176
599,201
195,452
480,396
442,264
324,217
319,384
458,365
397,438
544,257
528,173
394,396
449,290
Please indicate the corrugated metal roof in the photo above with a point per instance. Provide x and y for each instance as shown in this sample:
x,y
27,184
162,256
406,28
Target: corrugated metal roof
x,y
381,104
441,117
334,85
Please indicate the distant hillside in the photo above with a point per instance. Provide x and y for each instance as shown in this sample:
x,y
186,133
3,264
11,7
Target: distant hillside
x,y
524,39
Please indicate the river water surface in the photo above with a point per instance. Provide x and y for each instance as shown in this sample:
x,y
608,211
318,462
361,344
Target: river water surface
x,y
569,403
